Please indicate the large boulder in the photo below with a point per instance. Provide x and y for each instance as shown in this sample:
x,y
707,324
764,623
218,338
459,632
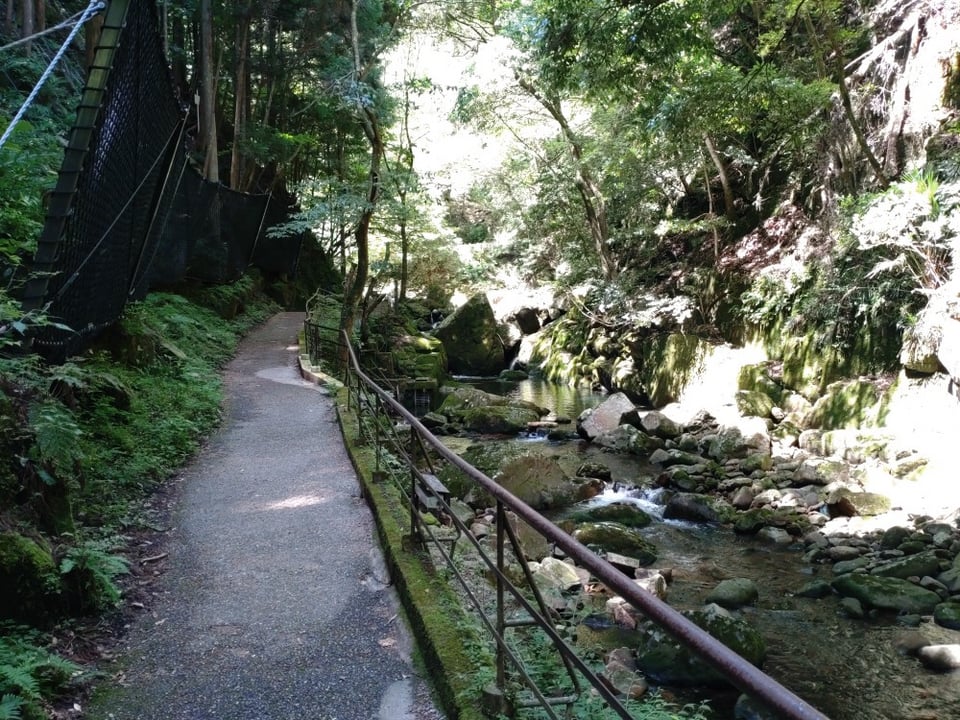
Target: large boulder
x,y
606,417
539,481
471,340
667,662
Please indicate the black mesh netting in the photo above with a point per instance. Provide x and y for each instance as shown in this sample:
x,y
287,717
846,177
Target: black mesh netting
x,y
142,216
103,253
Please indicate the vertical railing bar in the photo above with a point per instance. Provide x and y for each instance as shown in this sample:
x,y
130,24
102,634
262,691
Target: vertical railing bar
x,y
544,612
501,614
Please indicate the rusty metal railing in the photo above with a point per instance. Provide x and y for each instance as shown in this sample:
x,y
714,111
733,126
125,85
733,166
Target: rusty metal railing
x,y
401,439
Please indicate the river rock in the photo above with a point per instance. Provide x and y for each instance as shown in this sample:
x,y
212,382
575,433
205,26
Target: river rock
x,y
856,503
607,416
893,536
748,436
595,470
617,538
743,497
538,480
815,589
950,579
886,593
627,439
754,402
664,660
555,574
848,566
498,420
619,512
693,507
668,458
948,615
852,608
659,425
941,658
734,593
774,536
924,563
624,680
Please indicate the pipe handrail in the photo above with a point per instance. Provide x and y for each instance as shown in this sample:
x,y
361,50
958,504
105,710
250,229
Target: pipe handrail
x,y
742,673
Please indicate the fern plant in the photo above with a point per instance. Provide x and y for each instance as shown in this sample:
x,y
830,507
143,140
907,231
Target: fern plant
x,y
28,673
91,568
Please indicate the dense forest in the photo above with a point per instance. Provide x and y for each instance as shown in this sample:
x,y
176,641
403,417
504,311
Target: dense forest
x,y
785,172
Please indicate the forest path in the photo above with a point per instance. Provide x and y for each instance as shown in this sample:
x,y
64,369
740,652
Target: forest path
x,y
276,603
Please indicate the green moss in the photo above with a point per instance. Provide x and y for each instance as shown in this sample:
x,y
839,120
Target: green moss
x,y
432,607
667,362
850,404
30,578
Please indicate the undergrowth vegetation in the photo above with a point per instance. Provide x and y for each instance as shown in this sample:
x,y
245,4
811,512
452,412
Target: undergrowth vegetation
x,y
88,442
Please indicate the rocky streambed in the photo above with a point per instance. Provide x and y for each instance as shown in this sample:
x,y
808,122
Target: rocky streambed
x,y
849,597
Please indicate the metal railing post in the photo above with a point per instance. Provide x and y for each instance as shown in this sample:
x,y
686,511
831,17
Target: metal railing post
x,y
501,615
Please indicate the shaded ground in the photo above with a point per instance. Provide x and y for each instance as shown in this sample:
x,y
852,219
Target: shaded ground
x,y
275,603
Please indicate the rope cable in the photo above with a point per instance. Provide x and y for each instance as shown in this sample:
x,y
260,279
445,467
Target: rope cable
x,y
93,8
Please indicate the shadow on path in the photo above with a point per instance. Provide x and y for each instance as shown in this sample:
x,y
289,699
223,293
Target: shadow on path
x,y
276,604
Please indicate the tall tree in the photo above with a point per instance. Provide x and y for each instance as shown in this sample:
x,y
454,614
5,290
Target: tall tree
x,y
208,110
362,93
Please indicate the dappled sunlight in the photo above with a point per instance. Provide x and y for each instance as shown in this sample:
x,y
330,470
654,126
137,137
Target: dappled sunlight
x,y
296,501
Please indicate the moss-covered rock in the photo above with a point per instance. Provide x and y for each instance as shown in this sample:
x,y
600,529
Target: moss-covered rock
x,y
666,362
663,659
850,404
498,419
624,513
756,378
617,538
754,402
29,578
886,593
471,340
420,356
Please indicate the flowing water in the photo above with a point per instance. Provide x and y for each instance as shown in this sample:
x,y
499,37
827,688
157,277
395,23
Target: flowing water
x,y
849,669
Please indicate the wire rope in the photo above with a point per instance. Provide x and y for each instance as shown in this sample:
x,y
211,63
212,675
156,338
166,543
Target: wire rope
x,y
93,8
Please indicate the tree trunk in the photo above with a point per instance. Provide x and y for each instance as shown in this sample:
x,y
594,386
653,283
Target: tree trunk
x,y
207,93
371,128
40,15
9,18
594,206
178,56
729,210
27,24
240,85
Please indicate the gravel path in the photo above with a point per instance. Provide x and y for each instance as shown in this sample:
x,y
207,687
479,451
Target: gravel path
x,y
276,604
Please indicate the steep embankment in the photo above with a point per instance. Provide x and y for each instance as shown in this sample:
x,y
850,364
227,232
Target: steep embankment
x,y
840,312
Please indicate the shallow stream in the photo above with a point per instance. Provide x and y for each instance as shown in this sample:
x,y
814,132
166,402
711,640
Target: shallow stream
x,y
849,669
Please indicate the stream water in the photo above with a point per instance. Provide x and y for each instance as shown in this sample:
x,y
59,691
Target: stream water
x,y
849,669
